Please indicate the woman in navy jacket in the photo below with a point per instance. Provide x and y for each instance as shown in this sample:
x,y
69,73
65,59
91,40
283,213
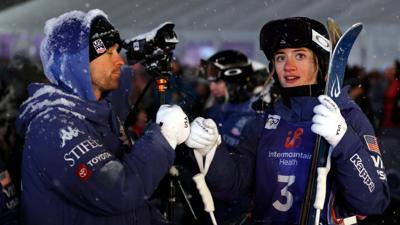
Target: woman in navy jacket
x,y
274,154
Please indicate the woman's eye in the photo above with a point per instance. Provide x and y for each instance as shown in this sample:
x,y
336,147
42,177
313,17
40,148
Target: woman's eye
x,y
279,58
300,56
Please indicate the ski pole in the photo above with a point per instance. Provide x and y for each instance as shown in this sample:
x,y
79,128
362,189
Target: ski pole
x,y
201,184
204,163
205,193
321,186
337,65
334,35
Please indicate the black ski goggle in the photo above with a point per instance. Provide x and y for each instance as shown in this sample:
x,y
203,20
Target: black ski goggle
x,y
290,33
233,73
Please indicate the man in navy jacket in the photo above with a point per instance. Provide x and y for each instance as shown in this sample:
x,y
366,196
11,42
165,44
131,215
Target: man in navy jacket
x,y
79,167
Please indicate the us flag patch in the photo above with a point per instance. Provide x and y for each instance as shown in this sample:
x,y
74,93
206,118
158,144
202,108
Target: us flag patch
x,y
99,46
372,143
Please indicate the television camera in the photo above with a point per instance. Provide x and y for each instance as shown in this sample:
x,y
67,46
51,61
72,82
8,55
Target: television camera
x,y
154,49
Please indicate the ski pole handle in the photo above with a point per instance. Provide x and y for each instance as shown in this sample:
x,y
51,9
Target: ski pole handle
x,y
321,188
205,193
321,182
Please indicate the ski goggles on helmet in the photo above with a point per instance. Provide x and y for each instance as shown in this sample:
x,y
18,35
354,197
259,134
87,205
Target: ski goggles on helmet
x,y
293,32
232,73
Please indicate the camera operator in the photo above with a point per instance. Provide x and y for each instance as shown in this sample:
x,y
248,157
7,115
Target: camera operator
x,y
79,167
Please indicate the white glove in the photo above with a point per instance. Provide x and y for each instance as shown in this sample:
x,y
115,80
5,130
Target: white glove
x,y
328,121
203,136
174,124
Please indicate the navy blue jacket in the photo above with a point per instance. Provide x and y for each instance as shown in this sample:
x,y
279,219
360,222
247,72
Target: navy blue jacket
x,y
78,167
273,158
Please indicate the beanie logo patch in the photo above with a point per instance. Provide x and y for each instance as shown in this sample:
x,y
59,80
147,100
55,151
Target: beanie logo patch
x,y
321,40
99,46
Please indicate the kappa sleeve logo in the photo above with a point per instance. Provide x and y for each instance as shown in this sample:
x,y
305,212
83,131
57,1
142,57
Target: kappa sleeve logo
x,y
362,172
68,133
83,172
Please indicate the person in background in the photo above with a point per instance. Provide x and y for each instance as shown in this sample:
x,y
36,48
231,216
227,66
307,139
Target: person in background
x,y
356,79
391,97
13,91
230,74
273,157
9,201
78,165
231,82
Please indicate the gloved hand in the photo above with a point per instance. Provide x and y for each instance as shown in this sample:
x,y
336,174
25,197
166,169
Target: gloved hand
x,y
203,136
328,121
174,124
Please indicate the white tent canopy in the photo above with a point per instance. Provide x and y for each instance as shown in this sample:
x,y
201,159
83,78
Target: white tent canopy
x,y
221,20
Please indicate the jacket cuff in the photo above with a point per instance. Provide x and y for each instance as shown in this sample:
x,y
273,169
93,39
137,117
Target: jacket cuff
x,y
348,145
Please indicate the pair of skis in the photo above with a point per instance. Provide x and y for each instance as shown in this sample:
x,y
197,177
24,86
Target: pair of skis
x,y
341,45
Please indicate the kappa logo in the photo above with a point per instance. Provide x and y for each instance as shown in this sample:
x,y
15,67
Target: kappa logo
x,y
293,139
99,46
362,172
68,134
272,122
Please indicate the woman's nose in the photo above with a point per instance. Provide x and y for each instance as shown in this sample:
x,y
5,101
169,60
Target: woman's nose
x,y
290,64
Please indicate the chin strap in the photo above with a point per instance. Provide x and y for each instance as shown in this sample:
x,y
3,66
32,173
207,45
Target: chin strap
x,y
313,90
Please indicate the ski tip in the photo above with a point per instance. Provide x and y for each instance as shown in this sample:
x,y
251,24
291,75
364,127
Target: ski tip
x,y
359,24
355,29
330,21
333,28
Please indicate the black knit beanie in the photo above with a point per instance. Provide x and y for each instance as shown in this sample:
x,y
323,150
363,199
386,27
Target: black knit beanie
x,y
103,35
